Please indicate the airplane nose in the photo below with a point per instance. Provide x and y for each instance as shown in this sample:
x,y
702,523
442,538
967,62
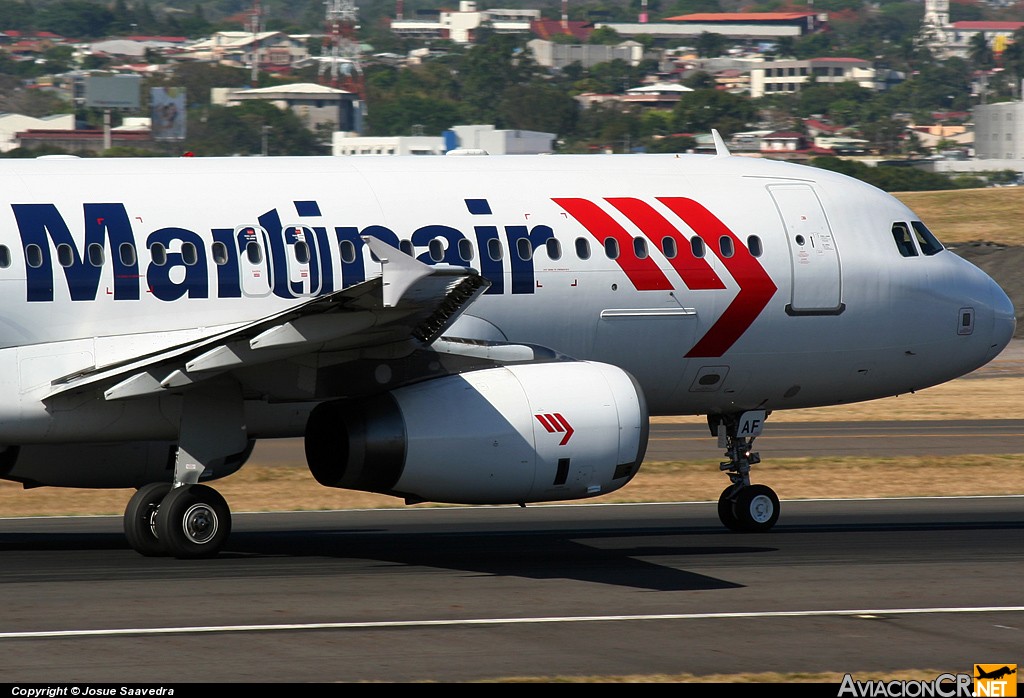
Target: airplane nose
x,y
1004,319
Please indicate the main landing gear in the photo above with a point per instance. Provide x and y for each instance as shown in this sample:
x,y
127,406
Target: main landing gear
x,y
743,507
183,518
187,521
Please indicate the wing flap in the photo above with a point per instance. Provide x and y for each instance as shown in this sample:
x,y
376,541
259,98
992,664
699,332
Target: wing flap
x,y
422,302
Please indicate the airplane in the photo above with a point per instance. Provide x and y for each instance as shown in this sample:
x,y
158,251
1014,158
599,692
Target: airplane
x,y
467,330
995,674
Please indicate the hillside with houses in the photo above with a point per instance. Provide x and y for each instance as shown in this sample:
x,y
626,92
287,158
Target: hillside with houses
x,y
932,87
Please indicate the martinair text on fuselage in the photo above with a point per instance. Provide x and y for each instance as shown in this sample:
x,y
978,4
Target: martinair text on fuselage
x,y
179,275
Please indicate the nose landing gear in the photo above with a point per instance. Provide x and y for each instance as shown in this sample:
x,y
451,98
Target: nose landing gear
x,y
743,507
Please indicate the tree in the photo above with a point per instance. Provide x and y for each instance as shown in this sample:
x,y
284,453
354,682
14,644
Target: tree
x,y
614,76
703,110
608,125
604,35
239,131
1013,55
195,24
538,107
199,78
941,86
16,15
785,47
19,100
396,116
980,52
671,144
76,18
884,134
819,98
698,80
710,45
489,69
59,59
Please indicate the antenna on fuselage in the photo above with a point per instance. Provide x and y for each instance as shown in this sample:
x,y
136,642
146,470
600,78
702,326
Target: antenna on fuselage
x,y
721,149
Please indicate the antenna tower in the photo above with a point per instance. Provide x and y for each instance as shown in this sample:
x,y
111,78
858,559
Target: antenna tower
x,y
255,26
343,47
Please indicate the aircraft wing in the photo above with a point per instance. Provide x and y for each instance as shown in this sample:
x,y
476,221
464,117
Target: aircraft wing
x,y
405,309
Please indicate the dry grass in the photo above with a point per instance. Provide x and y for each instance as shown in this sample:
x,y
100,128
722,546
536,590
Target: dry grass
x,y
965,398
825,678
965,215
258,487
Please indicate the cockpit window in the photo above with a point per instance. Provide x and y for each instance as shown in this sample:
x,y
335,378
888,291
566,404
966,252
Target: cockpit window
x,y
904,240
929,244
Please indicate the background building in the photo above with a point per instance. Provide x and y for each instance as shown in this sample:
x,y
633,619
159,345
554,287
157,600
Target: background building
x,y
741,26
13,124
999,130
314,104
473,137
784,77
552,55
460,26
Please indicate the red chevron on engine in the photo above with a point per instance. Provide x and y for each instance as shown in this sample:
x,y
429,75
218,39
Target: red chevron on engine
x,y
556,423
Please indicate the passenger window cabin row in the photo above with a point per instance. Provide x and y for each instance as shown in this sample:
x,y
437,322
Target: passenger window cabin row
x,y
254,252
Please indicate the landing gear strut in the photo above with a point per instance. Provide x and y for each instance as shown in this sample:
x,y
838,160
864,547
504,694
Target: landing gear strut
x,y
742,506
183,518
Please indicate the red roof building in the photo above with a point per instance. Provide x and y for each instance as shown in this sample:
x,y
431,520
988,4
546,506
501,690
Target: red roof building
x,y
548,28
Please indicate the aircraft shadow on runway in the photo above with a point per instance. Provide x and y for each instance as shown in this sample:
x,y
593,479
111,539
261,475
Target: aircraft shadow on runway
x,y
620,558
627,557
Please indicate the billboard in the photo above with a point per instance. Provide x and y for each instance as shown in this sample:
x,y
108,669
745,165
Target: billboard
x,y
167,113
112,91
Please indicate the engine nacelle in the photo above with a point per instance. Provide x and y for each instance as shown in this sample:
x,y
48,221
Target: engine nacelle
x,y
110,465
510,435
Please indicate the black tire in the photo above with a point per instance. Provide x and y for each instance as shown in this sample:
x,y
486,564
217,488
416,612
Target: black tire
x,y
757,508
193,521
727,509
140,519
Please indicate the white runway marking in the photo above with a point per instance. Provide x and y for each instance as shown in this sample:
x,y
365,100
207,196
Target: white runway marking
x,y
287,627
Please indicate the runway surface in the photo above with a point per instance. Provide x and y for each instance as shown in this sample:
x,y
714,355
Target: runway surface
x,y
886,439
469,594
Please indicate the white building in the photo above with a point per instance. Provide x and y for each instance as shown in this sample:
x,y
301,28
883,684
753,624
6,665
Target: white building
x,y
786,77
552,55
959,35
460,25
348,143
946,39
13,124
475,138
314,104
739,26
268,49
999,131
503,141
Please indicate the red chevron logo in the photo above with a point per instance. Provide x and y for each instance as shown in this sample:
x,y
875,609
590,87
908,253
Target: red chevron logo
x,y
756,286
556,424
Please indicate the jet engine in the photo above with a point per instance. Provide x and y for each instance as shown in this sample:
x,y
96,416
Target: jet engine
x,y
508,435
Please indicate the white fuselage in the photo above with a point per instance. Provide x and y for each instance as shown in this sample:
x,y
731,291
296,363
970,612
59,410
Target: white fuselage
x,y
796,294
